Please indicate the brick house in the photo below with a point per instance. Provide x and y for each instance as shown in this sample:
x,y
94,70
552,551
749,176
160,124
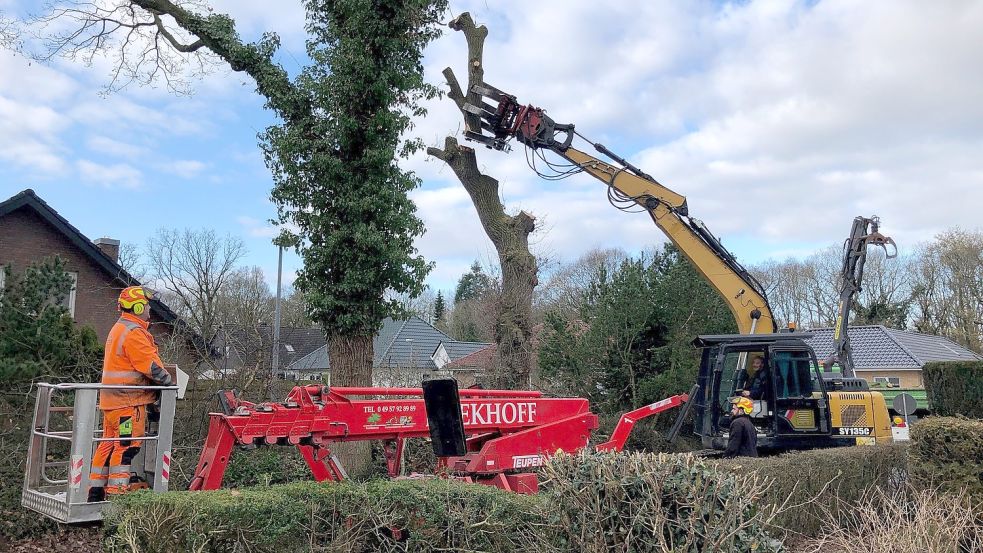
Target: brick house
x,y
31,230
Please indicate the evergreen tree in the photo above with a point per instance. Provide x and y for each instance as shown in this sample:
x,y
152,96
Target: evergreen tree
x,y
472,284
38,338
438,309
630,343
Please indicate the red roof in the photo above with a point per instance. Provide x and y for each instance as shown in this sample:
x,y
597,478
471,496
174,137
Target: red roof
x,y
480,359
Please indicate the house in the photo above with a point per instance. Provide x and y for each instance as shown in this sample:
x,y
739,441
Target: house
x,y
239,346
891,357
31,231
404,353
468,362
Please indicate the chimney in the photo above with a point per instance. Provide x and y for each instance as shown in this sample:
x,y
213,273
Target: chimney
x,y
109,247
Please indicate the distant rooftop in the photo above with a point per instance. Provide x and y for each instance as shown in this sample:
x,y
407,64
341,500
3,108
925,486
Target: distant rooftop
x,y
399,344
879,347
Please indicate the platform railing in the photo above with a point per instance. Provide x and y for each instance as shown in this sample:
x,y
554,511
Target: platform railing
x,y
66,499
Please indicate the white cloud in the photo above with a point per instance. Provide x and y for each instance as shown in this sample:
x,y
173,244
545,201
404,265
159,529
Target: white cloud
x,y
184,168
780,121
111,175
105,146
261,229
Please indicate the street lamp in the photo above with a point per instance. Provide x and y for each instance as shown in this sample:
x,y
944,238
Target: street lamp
x,y
286,239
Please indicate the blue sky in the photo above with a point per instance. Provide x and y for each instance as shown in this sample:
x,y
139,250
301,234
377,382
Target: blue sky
x,y
780,121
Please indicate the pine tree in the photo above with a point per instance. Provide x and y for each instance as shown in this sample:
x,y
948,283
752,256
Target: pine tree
x,y
438,309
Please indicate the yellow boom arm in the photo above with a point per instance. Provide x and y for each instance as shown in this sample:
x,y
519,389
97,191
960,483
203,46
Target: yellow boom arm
x,y
746,302
531,126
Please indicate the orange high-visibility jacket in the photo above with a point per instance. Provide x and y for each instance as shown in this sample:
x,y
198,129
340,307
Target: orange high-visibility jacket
x,y
132,360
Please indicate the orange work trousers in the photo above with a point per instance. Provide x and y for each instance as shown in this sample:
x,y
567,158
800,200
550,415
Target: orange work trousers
x,y
111,461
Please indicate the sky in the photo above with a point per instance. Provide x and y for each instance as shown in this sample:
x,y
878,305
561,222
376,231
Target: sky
x,y
780,121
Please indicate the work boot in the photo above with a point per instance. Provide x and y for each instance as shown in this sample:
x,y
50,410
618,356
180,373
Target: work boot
x,y
97,494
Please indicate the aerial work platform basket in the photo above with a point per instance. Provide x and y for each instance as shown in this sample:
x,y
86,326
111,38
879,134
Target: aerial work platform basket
x,y
64,435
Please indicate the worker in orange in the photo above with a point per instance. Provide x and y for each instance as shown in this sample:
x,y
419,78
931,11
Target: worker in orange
x,y
131,359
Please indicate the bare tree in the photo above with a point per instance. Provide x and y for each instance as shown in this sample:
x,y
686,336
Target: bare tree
x,y
246,300
420,306
193,269
144,44
8,32
948,287
508,233
565,287
132,261
293,309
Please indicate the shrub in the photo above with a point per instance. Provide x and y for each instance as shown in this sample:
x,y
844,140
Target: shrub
x,y
955,388
906,521
802,484
947,452
651,502
422,515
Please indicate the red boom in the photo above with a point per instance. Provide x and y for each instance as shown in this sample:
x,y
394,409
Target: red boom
x,y
508,431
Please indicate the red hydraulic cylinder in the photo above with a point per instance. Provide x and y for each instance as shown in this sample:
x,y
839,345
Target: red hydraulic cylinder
x,y
628,420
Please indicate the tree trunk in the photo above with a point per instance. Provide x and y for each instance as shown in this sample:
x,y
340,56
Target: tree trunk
x,y
508,233
351,365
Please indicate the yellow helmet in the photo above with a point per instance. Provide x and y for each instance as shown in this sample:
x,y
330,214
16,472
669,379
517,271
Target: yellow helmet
x,y
135,299
744,404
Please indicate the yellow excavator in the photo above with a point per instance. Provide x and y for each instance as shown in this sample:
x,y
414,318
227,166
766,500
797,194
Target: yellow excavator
x,y
796,404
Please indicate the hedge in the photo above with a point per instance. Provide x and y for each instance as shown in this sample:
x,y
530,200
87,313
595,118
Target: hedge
x,y
955,388
947,452
589,502
807,486
431,515
645,502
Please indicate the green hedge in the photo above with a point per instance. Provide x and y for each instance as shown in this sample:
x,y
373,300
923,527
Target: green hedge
x,y
947,452
807,484
597,502
434,515
955,388
588,502
645,502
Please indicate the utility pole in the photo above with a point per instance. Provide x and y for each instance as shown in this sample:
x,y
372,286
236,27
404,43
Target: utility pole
x,y
276,314
284,240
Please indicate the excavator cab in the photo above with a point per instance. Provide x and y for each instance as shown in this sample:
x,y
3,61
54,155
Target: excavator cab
x,y
791,403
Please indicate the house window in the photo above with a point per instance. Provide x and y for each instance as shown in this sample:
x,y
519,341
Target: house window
x,y
890,381
290,349
69,301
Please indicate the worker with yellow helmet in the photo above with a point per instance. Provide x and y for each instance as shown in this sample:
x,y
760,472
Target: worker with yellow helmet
x,y
743,438
131,359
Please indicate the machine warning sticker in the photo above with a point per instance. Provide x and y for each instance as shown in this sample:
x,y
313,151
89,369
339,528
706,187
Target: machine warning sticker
x,y
526,461
855,431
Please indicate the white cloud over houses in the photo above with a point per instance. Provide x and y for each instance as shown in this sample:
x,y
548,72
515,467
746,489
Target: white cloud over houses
x,y
779,120
116,175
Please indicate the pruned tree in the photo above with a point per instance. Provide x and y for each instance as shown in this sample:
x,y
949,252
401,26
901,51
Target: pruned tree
x,y
508,233
333,155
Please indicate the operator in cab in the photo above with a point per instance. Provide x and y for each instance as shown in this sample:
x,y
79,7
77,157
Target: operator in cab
x,y
743,441
756,379
131,359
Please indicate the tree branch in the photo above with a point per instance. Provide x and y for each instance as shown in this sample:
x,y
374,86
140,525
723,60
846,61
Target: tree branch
x,y
185,48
